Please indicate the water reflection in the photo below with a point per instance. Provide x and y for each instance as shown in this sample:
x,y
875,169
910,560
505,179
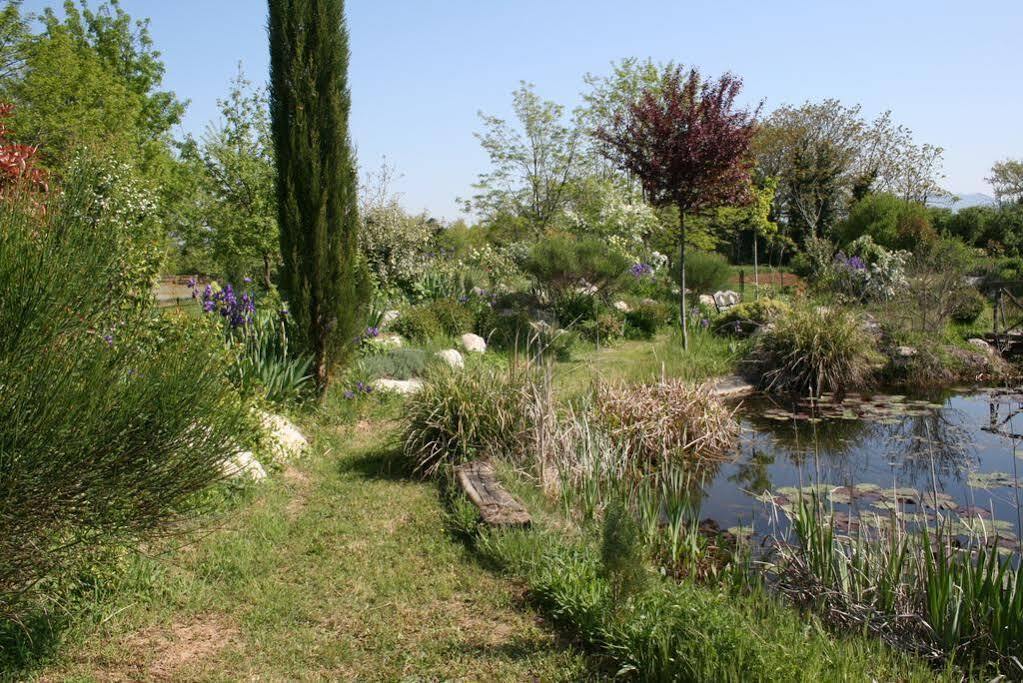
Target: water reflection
x,y
951,443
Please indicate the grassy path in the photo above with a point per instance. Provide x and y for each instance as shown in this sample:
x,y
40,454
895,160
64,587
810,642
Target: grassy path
x,y
337,570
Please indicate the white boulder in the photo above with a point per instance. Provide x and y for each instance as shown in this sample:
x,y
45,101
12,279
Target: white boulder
x,y
981,346
389,317
707,300
287,440
622,307
391,341
243,465
405,387
452,358
473,343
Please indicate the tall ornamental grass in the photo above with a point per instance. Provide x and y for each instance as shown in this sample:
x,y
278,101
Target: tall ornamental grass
x,y
815,349
111,417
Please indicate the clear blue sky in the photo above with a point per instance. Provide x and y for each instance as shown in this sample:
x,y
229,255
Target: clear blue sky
x,y
421,69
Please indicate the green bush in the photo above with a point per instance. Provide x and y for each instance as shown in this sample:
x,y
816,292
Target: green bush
x,y
400,364
574,308
643,321
460,416
111,426
706,271
418,324
968,307
892,222
815,349
506,328
607,327
563,262
453,317
746,318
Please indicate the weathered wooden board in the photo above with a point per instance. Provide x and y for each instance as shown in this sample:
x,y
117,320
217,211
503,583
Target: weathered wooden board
x,y
732,386
497,507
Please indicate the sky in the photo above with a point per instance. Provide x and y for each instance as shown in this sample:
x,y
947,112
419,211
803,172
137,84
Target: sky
x,y
421,70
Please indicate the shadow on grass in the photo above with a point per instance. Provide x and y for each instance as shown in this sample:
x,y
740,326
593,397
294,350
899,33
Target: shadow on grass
x,y
384,463
26,644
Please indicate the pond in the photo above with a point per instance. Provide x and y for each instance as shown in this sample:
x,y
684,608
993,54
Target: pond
x,y
872,454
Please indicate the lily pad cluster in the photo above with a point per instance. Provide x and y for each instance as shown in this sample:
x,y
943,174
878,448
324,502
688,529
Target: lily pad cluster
x,y
869,506
887,409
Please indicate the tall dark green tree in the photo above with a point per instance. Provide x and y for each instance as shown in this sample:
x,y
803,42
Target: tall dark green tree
x,y
321,275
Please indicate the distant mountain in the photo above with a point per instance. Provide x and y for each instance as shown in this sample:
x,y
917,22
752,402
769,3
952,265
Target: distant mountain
x,y
965,201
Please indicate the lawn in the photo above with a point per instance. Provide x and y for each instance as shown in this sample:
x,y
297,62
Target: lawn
x,y
339,569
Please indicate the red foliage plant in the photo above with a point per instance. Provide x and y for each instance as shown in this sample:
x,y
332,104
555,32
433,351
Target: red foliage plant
x,y
17,170
687,144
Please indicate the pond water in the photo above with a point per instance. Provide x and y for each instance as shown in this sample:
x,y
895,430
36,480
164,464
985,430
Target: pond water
x,y
871,454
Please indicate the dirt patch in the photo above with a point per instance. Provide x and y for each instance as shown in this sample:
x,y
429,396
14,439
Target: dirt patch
x,y
299,483
164,653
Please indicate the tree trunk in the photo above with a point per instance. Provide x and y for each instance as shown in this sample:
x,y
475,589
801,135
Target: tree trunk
x,y
266,272
682,277
756,271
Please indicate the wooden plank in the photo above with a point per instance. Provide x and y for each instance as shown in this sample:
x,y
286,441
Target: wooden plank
x,y
732,386
497,507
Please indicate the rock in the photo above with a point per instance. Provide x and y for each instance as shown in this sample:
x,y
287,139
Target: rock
x,y
726,299
473,343
981,345
905,352
452,358
871,326
389,317
391,341
649,302
243,464
406,387
622,307
288,441
707,300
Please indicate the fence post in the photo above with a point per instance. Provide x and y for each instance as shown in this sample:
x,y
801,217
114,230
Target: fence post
x,y
742,281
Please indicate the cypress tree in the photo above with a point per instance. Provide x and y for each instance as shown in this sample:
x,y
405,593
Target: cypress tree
x,y
322,276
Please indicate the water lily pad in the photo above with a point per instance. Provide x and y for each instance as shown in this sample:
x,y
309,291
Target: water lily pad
x,y
939,501
991,480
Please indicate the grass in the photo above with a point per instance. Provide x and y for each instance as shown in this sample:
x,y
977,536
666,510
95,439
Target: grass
x,y
339,569
647,361
665,630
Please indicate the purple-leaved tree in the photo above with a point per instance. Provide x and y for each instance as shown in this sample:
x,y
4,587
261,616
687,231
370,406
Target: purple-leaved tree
x,y
688,145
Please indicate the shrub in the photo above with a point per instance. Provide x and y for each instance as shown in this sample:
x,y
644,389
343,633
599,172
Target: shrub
x,y
891,222
400,364
746,318
969,307
110,426
706,271
654,424
460,416
867,271
418,324
643,321
934,288
573,308
505,328
562,263
815,350
607,327
453,317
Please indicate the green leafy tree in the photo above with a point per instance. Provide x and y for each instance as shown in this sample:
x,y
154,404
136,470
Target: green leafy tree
x,y
90,78
1007,180
238,202
321,275
533,162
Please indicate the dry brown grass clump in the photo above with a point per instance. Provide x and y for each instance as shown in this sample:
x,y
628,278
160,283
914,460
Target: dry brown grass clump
x,y
666,421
